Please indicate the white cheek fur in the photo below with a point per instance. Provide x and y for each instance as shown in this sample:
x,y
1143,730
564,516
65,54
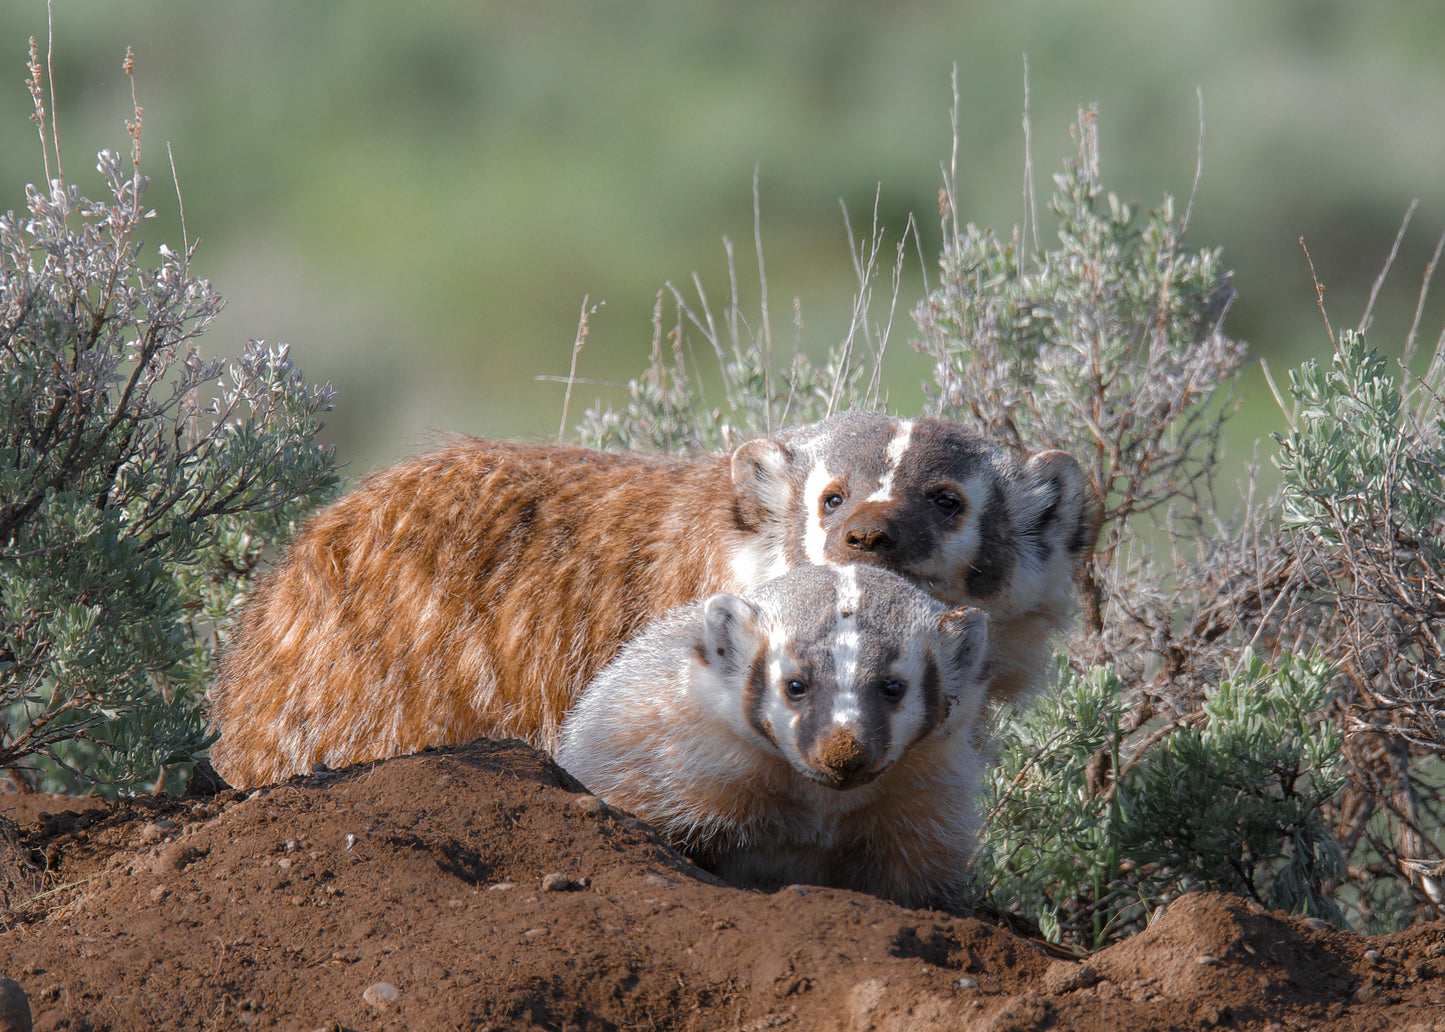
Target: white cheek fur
x,y
815,537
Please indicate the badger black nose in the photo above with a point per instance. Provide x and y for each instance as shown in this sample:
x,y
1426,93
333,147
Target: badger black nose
x,y
874,538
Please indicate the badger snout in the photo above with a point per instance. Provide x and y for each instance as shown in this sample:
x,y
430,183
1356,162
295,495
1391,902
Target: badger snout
x,y
887,534
843,760
872,529
872,536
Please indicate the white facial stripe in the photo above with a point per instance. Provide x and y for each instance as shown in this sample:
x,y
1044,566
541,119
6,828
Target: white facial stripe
x,y
845,648
849,594
777,637
814,536
896,449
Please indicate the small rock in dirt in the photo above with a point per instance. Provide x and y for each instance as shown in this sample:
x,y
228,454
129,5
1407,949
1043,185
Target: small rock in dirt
x,y
863,1000
1212,1016
590,805
14,1007
381,995
502,886
154,832
1316,924
966,983
559,882
801,890
657,881
1206,960
1065,976
159,893
175,856
536,933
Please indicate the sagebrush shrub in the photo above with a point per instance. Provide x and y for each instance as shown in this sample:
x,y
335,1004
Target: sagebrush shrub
x,y
1363,506
1090,827
140,483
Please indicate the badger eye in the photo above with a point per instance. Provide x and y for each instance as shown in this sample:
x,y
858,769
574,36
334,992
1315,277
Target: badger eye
x,y
832,500
946,501
795,688
892,689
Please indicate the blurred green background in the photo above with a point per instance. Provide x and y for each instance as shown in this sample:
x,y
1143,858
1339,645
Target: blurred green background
x,y
418,196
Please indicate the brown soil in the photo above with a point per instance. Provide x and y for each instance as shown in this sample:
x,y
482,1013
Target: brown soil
x,y
478,887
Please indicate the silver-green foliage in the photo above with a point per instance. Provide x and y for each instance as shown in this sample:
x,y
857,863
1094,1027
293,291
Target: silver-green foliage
x,y
668,408
139,484
1109,338
1363,501
1364,485
1090,828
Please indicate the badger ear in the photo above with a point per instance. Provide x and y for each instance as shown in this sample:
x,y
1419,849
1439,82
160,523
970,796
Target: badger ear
x,y
761,471
1056,510
965,644
729,632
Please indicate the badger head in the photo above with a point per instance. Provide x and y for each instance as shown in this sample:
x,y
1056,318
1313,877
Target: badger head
x,y
932,500
839,671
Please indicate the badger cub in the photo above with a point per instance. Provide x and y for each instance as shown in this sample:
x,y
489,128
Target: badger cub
x,y
819,728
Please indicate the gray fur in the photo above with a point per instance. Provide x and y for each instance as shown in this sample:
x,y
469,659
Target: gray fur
x,y
692,727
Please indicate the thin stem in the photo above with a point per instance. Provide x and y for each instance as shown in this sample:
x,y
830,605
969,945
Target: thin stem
x,y
1368,316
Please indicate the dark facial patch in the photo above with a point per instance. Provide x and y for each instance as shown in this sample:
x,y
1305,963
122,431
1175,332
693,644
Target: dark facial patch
x,y
755,694
994,560
806,670
933,699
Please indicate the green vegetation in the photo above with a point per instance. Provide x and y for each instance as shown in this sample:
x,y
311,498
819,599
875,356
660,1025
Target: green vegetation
x,y
1089,829
134,506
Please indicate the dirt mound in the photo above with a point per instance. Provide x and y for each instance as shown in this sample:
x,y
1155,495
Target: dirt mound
x,y
478,887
